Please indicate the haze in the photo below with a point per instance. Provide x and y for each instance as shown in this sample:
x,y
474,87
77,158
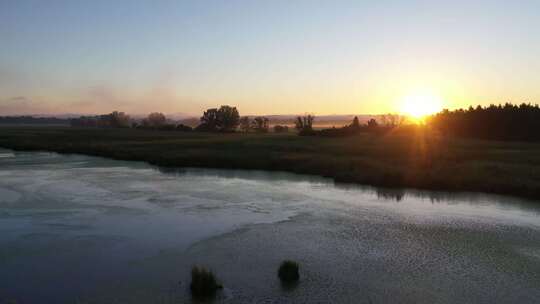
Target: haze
x,y
265,57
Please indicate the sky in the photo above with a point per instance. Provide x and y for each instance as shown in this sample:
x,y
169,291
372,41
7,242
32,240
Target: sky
x,y
265,57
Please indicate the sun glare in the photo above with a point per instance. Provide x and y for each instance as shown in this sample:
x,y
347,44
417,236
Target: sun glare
x,y
417,106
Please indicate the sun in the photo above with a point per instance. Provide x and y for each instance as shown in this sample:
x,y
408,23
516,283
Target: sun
x,y
419,105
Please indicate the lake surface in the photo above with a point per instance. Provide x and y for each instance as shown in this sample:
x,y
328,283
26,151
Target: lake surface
x,y
79,229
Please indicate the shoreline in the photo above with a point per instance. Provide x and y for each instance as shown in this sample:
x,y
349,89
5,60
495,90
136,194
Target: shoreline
x,y
281,153
389,192
336,180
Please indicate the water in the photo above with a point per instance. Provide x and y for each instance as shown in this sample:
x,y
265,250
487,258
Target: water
x,y
78,229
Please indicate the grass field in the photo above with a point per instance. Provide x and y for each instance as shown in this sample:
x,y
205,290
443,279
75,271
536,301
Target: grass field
x,y
406,158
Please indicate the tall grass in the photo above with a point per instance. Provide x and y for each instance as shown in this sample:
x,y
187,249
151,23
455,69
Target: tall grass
x,y
203,282
406,157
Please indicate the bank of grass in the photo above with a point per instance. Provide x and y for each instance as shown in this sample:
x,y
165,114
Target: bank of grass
x,y
411,157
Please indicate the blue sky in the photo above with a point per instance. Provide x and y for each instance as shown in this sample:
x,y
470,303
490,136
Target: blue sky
x,y
266,57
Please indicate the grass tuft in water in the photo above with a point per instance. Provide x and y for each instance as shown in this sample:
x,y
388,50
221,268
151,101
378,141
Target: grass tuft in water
x,y
203,282
288,271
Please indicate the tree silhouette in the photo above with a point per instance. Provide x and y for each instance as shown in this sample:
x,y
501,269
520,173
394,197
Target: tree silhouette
x,y
304,123
155,120
228,118
112,120
372,123
224,119
260,124
120,120
209,120
355,123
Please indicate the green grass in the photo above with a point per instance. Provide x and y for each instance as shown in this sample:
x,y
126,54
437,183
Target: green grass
x,y
407,158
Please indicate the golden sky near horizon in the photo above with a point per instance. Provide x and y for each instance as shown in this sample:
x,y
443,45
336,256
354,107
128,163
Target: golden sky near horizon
x,y
344,57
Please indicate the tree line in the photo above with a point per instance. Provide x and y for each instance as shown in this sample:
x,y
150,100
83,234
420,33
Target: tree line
x,y
27,119
304,125
494,122
222,119
227,119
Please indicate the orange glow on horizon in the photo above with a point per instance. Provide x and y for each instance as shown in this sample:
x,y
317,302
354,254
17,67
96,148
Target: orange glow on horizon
x,y
418,105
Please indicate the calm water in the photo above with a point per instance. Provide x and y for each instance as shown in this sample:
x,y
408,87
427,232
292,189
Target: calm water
x,y
77,229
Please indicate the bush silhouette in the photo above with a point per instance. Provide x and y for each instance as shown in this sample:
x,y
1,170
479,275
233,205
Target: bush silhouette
x,y
203,282
281,129
288,271
183,128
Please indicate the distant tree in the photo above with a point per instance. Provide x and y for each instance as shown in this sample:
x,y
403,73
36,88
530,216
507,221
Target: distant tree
x,y
347,130
155,120
224,119
112,120
304,123
355,123
260,124
245,124
299,123
372,123
209,120
119,120
281,129
228,118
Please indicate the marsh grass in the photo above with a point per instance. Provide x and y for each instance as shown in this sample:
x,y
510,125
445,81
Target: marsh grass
x,y
203,283
288,271
409,157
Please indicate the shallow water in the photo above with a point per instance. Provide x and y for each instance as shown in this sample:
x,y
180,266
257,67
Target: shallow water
x,y
78,229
